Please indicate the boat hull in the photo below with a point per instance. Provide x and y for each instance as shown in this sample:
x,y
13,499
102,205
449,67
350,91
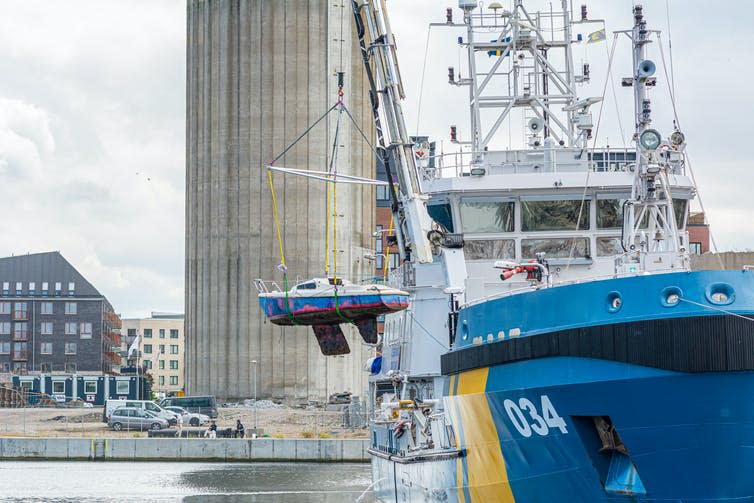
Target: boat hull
x,y
327,310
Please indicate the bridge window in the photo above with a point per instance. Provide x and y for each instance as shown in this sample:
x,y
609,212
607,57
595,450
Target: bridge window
x,y
490,249
575,248
487,215
680,208
610,213
609,247
559,215
441,214
307,286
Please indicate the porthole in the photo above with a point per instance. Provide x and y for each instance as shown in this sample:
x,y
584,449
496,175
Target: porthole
x,y
671,296
720,294
614,302
464,330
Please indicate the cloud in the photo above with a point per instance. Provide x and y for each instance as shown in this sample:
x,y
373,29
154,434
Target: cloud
x,y
26,140
92,142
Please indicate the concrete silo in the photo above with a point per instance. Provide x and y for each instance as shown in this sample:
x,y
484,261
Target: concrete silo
x,y
258,73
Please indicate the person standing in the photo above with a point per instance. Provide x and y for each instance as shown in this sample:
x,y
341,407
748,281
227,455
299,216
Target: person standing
x,y
179,424
213,430
240,430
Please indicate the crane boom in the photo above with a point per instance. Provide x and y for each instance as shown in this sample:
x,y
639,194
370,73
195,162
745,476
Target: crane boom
x,y
409,205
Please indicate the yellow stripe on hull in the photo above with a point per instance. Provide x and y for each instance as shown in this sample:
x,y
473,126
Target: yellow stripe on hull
x,y
486,473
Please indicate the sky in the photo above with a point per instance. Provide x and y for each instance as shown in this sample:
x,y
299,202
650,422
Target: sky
x,y
92,123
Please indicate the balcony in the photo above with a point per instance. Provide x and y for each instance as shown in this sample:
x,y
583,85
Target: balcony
x,y
113,320
112,357
112,338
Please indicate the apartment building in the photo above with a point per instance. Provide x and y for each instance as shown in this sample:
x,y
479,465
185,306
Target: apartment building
x,y
160,350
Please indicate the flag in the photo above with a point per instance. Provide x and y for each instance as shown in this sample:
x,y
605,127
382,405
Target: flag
x,y
134,346
499,52
597,36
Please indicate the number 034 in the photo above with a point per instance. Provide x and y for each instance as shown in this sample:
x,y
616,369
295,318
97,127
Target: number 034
x,y
526,418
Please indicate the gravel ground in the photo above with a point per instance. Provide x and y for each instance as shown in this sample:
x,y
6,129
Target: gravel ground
x,y
278,422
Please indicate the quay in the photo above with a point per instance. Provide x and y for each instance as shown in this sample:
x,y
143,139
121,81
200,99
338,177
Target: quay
x,y
184,449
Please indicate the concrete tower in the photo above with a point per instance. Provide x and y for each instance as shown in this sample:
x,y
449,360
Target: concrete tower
x,y
258,73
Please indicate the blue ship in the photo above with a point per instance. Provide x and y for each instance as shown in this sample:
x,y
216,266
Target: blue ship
x,y
558,346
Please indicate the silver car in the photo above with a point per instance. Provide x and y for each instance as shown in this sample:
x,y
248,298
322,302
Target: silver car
x,y
131,418
192,418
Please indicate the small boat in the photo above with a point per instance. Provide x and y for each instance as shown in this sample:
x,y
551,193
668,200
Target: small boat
x,y
325,303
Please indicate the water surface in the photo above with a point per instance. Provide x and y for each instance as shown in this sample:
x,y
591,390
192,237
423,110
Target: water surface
x,y
157,482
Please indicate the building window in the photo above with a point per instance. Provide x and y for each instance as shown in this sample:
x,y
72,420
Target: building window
x,y
86,331
45,328
58,387
161,364
4,367
122,387
45,368
162,349
45,287
19,368
4,348
70,348
174,364
173,380
173,333
695,248
174,349
147,349
90,387
71,308
162,333
4,327
4,307
162,380
20,311
20,330
382,192
148,364
19,351
45,307
71,328
131,333
45,348
19,287
147,333
58,287
70,368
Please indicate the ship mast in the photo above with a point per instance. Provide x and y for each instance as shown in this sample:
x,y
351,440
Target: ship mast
x,y
651,240
524,74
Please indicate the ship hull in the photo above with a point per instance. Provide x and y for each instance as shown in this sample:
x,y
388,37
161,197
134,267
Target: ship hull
x,y
561,394
689,437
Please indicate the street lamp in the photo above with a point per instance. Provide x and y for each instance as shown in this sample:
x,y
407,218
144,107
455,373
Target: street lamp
x,y
254,362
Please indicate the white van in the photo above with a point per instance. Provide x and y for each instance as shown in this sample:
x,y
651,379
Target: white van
x,y
111,405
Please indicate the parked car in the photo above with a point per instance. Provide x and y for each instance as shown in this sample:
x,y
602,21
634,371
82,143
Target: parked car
x,y
129,418
111,405
191,418
201,404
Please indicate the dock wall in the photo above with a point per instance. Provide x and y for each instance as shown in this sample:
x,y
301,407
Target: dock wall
x,y
182,449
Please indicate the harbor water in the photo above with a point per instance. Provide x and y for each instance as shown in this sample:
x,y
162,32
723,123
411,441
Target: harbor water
x,y
158,482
